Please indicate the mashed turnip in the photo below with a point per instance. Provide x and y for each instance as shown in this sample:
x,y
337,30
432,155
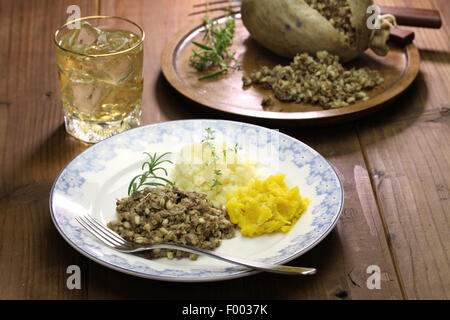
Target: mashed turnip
x,y
212,169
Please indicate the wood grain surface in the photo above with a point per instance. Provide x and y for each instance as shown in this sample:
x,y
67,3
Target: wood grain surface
x,y
395,167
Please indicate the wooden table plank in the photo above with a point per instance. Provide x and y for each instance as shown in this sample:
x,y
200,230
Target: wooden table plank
x,y
360,228
34,148
410,165
409,159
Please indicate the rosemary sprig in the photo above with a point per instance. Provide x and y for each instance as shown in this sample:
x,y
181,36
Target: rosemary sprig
x,y
215,51
147,177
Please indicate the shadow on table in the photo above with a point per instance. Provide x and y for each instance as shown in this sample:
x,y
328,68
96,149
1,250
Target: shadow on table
x,y
437,56
173,105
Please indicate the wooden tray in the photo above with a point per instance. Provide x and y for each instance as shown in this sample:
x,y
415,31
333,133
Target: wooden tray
x,y
226,93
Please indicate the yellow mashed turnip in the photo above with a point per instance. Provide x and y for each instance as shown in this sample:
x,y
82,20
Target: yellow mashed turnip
x,y
265,206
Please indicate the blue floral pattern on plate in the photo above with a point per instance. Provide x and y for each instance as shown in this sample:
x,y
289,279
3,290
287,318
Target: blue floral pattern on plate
x,y
75,189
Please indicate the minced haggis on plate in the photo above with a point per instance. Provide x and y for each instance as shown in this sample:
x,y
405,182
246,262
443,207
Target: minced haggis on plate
x,y
167,214
319,80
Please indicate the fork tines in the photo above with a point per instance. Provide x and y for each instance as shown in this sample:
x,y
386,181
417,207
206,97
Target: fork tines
x,y
101,232
232,4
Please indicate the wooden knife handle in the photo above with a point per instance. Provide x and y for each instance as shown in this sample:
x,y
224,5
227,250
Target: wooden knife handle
x,y
402,37
414,17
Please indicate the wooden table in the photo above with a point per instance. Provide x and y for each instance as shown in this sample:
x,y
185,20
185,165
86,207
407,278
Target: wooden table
x,y
395,167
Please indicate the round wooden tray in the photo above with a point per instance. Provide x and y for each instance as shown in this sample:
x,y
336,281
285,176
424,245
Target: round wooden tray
x,y
226,93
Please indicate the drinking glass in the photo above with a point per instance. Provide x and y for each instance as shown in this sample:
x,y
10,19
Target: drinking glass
x,y
100,64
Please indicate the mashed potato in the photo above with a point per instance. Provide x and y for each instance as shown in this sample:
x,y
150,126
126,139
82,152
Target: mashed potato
x,y
212,169
265,206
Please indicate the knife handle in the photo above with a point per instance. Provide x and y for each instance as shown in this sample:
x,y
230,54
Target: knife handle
x,y
414,17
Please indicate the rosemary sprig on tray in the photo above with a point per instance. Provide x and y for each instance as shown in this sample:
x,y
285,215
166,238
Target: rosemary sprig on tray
x,y
147,178
215,51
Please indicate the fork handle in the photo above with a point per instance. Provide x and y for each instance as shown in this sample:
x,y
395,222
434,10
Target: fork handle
x,y
289,270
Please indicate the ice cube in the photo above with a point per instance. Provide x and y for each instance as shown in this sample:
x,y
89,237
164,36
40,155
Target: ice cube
x,y
88,34
85,94
120,40
82,39
119,69
115,41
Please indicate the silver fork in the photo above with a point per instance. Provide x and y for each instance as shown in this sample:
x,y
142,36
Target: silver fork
x,y
114,241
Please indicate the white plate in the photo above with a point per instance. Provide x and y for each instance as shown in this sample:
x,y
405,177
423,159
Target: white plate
x,y
92,181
